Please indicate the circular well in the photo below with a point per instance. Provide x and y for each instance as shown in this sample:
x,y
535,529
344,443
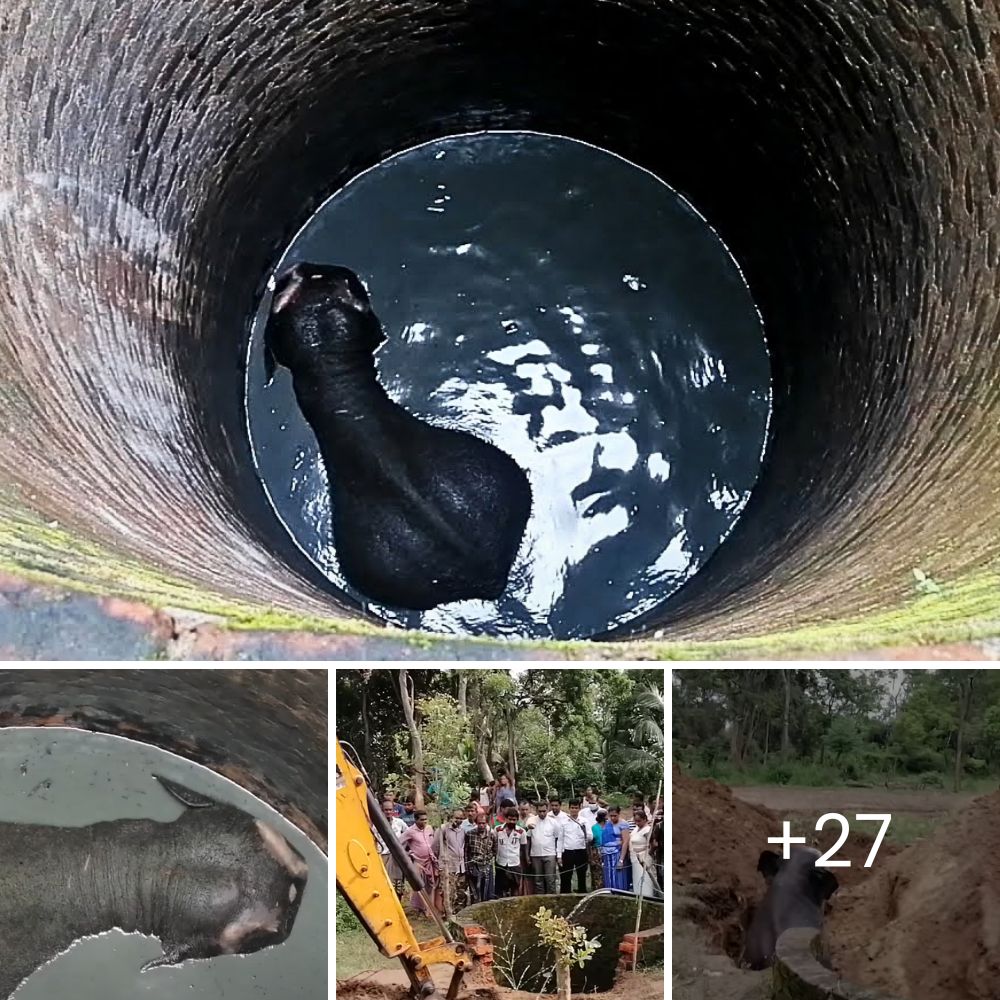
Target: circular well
x,y
154,167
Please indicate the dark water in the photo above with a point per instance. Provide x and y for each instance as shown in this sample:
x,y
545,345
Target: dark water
x,y
576,312
65,777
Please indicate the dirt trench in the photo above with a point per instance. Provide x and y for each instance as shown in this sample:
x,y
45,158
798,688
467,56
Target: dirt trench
x,y
923,922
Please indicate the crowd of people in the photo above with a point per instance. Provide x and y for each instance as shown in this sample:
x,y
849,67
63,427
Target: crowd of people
x,y
501,845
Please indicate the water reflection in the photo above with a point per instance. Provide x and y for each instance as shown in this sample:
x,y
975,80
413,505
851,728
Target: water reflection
x,y
577,313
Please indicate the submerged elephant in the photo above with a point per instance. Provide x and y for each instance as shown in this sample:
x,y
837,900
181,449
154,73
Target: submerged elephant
x,y
422,515
796,893
215,881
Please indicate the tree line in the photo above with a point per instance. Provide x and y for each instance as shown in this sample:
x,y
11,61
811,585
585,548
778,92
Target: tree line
x,y
547,730
920,728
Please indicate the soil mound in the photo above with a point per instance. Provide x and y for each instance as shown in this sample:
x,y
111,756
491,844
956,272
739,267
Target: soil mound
x,y
717,838
927,923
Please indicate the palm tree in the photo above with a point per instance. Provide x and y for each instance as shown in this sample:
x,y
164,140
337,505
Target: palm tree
x,y
636,747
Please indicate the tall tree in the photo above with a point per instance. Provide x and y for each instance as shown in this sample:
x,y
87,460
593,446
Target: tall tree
x,y
366,676
408,698
786,740
964,681
638,751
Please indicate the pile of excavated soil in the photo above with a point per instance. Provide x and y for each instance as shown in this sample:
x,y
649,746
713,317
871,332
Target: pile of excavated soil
x,y
927,924
717,841
717,838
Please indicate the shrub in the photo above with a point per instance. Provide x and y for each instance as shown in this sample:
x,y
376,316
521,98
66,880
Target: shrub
x,y
344,917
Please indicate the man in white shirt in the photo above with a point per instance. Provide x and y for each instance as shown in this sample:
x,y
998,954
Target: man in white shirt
x,y
574,857
588,812
546,848
510,839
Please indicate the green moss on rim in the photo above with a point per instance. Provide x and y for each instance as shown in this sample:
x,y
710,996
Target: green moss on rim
x,y
962,610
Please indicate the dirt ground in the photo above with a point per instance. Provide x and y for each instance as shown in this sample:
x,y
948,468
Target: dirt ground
x,y
392,985
924,921
717,840
702,973
384,978
928,923
854,800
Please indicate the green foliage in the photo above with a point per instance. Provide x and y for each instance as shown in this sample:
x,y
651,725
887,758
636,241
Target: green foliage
x,y
905,829
397,784
621,799
559,730
842,737
912,728
635,752
344,917
778,774
569,941
370,717
974,765
563,762
448,748
989,734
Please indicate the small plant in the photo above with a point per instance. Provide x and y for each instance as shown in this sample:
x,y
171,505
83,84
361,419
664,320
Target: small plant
x,y
779,774
507,958
569,942
925,584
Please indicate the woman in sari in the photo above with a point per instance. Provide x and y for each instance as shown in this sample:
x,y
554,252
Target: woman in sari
x,y
614,847
418,842
643,877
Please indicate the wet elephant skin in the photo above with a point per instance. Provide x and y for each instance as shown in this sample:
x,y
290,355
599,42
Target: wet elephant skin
x,y
213,882
796,893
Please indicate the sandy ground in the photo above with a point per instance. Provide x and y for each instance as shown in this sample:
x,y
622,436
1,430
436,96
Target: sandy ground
x,y
923,922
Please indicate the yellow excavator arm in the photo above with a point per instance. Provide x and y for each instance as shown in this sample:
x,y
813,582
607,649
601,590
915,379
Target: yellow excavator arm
x,y
364,883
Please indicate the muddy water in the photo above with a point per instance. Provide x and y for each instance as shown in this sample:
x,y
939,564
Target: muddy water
x,y
64,777
576,312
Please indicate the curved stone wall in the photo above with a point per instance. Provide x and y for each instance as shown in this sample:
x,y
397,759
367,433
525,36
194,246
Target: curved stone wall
x,y
798,974
519,960
265,730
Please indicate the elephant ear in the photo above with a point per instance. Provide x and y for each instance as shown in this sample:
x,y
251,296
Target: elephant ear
x,y
768,864
185,796
825,882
